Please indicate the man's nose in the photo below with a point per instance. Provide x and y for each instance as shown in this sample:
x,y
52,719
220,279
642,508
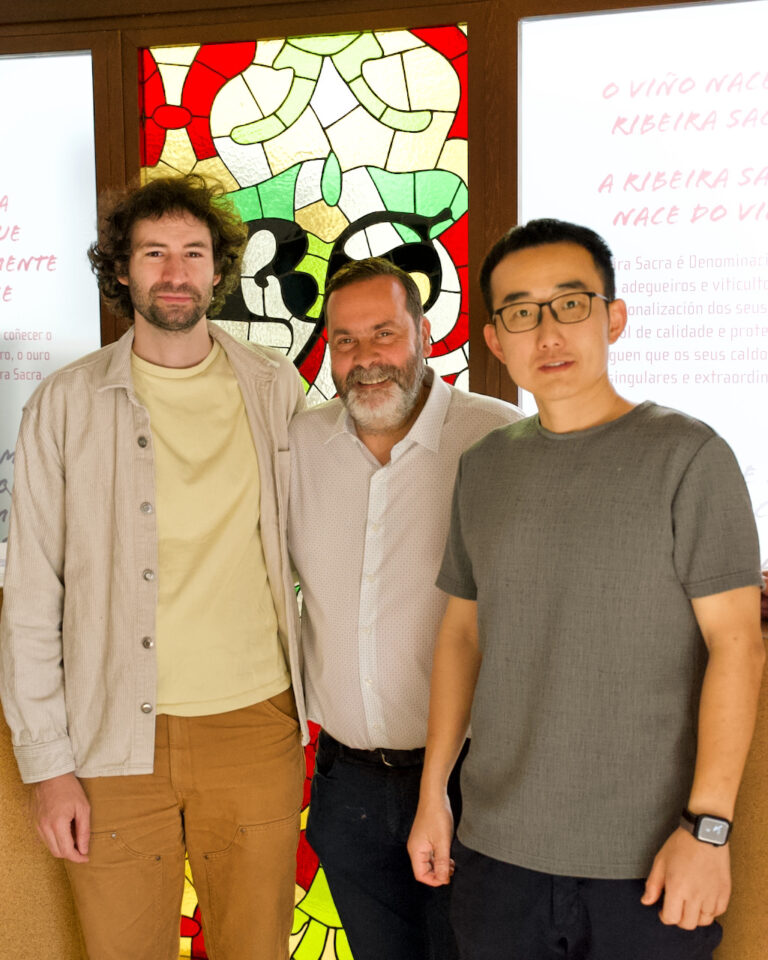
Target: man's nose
x,y
549,331
367,353
174,269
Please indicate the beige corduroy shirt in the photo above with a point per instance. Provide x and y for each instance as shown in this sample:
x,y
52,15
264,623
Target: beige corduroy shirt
x,y
77,655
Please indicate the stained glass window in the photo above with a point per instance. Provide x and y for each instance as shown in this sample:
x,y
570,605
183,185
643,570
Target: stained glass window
x,y
332,148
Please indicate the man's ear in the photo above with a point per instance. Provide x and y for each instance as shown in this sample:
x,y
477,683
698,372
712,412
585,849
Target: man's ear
x,y
216,278
617,319
123,278
426,343
492,341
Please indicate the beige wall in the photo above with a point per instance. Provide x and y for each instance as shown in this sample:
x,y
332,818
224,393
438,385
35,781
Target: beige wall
x,y
38,921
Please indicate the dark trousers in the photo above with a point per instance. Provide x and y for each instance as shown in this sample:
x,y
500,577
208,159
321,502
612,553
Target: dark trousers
x,y
360,816
503,912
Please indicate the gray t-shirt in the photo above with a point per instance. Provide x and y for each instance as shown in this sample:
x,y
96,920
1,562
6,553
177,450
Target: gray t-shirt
x,y
583,551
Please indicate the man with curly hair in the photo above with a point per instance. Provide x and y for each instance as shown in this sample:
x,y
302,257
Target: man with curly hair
x,y
148,640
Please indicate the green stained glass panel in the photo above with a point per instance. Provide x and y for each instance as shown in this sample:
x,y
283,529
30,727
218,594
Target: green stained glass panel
x,y
331,180
277,194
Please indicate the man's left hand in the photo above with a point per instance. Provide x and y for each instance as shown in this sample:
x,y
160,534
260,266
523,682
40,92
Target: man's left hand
x,y
695,878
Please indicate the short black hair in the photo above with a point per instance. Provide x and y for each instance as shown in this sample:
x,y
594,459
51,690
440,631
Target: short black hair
x,y
367,269
539,233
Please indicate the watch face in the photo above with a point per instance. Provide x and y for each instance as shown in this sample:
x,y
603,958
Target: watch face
x,y
712,830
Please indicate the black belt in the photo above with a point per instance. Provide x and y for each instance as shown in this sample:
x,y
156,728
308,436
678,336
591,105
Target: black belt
x,y
380,756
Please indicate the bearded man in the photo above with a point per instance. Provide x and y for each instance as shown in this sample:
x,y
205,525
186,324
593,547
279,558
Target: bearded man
x,y
371,479
149,627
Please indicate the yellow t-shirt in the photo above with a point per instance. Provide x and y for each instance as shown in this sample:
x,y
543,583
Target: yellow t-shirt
x,y
216,632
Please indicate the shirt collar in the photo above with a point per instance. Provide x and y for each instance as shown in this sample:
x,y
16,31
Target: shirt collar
x,y
118,370
428,426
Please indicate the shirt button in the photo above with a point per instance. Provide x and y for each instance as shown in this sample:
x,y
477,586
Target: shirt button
x,y
146,708
376,527
368,681
142,441
147,643
148,574
369,578
146,507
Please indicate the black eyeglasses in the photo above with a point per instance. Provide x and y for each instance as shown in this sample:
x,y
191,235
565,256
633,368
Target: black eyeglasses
x,y
526,315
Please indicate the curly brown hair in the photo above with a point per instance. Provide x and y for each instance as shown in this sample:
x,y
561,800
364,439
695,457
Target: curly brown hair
x,y
190,194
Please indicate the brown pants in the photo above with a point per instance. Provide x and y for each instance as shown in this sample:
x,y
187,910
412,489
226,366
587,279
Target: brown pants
x,y
227,788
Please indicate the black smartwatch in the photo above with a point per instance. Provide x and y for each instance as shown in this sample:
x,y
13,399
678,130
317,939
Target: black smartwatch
x,y
706,827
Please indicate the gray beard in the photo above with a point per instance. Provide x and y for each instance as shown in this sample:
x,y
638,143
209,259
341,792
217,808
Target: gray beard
x,y
402,394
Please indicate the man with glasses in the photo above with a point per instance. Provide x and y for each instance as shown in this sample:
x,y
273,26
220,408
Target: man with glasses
x,y
603,627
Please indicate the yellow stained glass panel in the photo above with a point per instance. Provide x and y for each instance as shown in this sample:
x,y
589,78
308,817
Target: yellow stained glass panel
x,y
420,151
178,151
454,157
432,81
215,169
267,51
386,77
173,80
180,55
359,139
396,41
304,140
321,220
235,105
269,87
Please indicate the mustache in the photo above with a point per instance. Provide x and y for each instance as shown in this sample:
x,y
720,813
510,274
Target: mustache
x,y
184,288
380,371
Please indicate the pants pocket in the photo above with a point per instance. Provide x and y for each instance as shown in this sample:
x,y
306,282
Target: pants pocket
x,y
283,705
127,901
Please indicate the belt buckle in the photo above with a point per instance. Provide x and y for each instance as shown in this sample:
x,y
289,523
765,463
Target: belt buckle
x,y
382,754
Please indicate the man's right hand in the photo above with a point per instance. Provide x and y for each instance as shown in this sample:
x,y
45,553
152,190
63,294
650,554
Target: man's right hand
x,y
63,817
429,844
